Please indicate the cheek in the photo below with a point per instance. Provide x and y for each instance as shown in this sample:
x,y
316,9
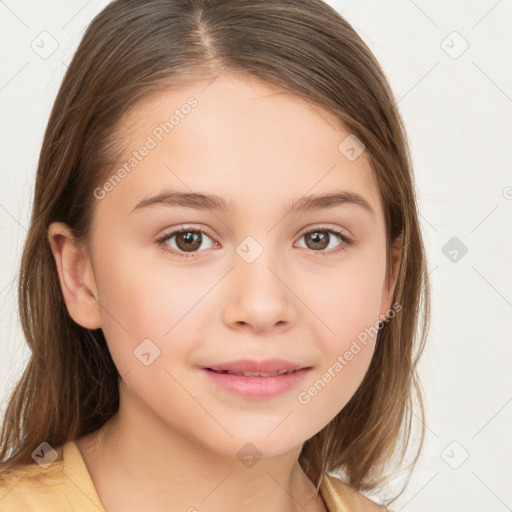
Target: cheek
x,y
141,301
345,358
147,329
347,299
348,311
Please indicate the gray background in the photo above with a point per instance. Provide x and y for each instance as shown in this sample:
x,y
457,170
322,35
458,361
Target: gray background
x,y
457,105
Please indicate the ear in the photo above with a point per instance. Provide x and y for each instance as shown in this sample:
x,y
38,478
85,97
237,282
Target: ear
x,y
76,276
393,268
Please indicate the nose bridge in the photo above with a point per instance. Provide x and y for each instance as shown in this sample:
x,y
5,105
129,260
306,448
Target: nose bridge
x,y
257,262
258,294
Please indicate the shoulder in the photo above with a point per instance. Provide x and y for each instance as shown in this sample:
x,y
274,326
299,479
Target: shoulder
x,y
57,487
341,497
29,487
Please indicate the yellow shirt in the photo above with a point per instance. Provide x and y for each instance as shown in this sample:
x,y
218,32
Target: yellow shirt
x,y
66,486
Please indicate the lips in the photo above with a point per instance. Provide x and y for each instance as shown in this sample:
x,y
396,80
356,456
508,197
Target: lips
x,y
255,380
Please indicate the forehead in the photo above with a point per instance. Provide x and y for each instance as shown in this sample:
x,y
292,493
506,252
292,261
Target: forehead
x,y
238,138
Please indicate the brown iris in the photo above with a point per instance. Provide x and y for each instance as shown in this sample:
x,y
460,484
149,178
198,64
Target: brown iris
x,y
319,239
188,241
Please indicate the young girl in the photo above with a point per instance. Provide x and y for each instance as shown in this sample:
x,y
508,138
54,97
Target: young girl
x,y
222,278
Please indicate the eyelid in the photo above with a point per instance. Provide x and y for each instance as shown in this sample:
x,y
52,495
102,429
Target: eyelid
x,y
324,227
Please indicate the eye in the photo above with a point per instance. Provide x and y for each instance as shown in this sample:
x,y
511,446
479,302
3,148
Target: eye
x,y
183,241
320,238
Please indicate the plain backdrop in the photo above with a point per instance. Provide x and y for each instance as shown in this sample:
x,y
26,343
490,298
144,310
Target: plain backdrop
x,y
449,66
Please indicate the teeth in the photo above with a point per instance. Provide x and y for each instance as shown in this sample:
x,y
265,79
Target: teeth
x,y
258,374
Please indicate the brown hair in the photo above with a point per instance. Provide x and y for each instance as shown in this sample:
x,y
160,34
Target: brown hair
x,y
133,48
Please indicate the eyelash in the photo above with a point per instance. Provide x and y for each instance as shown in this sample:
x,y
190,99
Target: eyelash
x,y
346,241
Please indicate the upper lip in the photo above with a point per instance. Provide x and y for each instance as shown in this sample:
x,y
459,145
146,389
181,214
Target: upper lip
x,y
251,365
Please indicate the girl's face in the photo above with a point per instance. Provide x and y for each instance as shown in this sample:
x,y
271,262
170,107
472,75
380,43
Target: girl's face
x,y
252,278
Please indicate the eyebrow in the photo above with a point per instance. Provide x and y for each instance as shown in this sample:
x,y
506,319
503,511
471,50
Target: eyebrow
x,y
200,201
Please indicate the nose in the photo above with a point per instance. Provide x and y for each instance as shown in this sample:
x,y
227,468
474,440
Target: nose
x,y
258,295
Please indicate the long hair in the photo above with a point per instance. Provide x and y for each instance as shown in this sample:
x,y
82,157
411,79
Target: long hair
x,y
133,48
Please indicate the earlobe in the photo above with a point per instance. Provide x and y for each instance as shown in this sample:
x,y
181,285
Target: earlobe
x,y
76,276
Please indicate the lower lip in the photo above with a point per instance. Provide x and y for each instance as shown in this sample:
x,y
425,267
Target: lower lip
x,y
256,387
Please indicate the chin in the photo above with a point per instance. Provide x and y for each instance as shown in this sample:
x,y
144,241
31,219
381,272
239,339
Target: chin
x,y
251,448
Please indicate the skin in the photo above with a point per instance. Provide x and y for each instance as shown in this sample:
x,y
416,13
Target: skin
x,y
260,147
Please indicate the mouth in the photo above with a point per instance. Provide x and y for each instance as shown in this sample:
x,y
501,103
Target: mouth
x,y
257,374
255,385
